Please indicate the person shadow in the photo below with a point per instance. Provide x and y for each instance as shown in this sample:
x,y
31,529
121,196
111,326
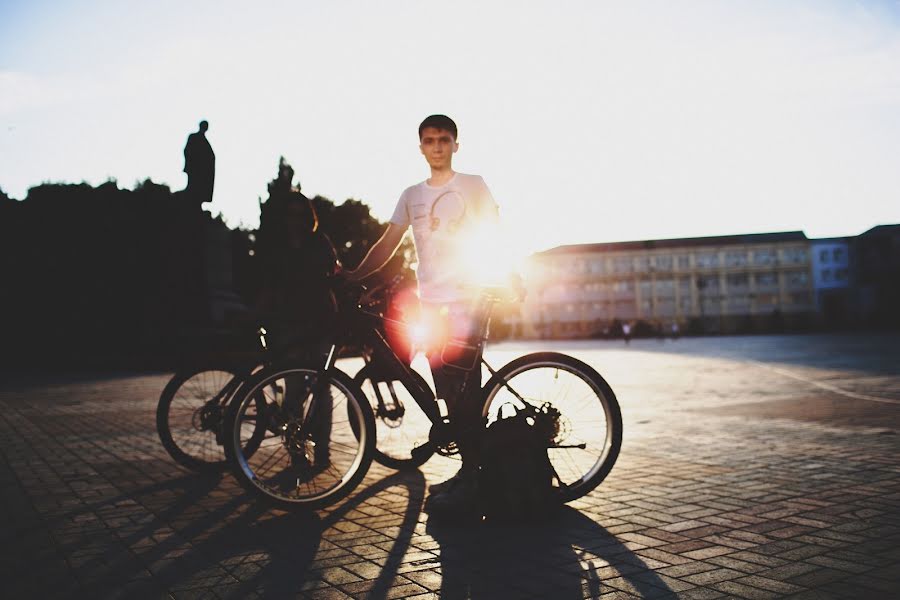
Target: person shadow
x,y
565,556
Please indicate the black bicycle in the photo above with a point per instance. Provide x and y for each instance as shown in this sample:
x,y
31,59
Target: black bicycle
x,y
191,408
312,445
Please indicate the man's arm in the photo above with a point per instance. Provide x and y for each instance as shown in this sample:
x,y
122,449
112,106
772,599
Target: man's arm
x,y
380,253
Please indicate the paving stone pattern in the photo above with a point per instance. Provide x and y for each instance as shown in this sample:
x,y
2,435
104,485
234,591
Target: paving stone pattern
x,y
741,476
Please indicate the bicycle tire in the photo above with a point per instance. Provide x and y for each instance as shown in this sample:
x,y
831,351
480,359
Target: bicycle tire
x,y
192,388
391,450
352,446
578,472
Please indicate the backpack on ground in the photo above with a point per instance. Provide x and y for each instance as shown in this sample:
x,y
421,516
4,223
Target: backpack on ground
x,y
516,477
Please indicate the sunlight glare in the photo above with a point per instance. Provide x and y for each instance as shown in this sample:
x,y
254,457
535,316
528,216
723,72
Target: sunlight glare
x,y
488,256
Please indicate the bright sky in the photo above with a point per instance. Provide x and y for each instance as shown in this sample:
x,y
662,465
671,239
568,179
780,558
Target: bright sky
x,y
590,121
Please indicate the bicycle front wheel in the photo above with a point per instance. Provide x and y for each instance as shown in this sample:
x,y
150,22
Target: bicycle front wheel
x,y
589,432
312,439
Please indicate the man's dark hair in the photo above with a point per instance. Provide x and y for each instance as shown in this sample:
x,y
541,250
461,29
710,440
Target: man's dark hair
x,y
438,122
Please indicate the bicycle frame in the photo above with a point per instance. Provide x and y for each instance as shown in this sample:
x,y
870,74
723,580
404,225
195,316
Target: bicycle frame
x,y
365,327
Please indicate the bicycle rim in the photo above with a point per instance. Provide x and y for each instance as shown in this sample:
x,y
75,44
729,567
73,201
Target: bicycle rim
x,y
297,461
189,424
590,425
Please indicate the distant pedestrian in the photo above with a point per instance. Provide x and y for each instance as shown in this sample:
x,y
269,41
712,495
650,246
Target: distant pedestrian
x,y
626,332
675,330
200,166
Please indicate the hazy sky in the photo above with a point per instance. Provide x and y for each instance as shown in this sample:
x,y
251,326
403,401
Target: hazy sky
x,y
590,121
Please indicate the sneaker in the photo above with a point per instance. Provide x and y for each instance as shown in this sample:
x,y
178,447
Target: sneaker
x,y
459,501
440,488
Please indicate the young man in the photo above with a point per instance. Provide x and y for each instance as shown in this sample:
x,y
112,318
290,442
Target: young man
x,y
441,210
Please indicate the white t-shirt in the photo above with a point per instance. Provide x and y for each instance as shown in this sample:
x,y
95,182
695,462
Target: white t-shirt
x,y
440,218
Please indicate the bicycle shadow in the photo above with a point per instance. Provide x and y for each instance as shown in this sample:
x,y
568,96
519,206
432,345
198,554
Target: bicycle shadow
x,y
488,561
239,548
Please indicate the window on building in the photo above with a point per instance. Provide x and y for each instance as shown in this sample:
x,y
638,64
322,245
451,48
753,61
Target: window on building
x,y
763,257
838,255
826,276
684,286
794,255
641,264
662,262
824,255
622,264
796,278
579,266
646,287
841,275
735,258
706,260
624,286
708,284
598,266
665,287
766,280
738,281
683,261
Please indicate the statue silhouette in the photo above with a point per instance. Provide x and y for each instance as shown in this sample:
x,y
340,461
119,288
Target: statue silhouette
x,y
200,166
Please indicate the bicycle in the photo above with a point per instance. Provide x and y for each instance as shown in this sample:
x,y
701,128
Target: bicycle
x,y
191,407
309,455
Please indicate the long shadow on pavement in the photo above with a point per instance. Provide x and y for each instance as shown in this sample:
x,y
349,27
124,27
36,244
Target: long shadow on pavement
x,y
232,551
568,556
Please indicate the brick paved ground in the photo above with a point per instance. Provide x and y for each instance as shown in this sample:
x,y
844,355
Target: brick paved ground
x,y
752,468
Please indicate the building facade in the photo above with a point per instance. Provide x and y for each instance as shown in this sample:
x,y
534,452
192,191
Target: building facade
x,y
876,277
755,282
831,262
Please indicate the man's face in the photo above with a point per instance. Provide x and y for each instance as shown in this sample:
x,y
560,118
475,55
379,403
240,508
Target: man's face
x,y
438,147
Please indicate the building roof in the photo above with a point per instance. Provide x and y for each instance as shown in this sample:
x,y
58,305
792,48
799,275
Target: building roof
x,y
832,240
718,240
880,230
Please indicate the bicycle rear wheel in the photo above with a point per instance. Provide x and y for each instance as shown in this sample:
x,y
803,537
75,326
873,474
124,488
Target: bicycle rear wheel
x,y
190,413
312,440
400,424
589,434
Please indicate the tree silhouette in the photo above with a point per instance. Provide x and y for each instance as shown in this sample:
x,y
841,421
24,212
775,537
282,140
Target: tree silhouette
x,y
107,276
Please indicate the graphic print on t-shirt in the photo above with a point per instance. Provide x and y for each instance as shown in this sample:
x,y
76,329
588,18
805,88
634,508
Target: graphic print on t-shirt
x,y
447,212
